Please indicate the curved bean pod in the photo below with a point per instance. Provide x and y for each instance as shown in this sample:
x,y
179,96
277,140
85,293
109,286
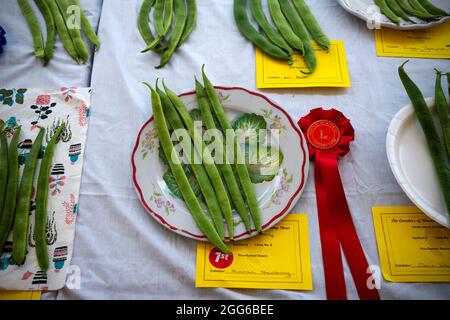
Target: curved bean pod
x,y
386,10
22,216
394,6
431,8
208,160
225,168
271,33
63,32
249,32
199,171
42,201
283,26
144,26
168,15
9,207
443,111
158,18
177,32
86,26
51,30
416,5
301,31
406,6
180,177
74,32
434,143
33,25
312,25
191,20
3,165
241,168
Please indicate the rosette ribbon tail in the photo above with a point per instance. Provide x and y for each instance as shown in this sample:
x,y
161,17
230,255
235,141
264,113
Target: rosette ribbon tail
x,y
329,134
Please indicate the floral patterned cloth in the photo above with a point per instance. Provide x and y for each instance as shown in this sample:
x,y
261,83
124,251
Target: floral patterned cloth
x,y
33,108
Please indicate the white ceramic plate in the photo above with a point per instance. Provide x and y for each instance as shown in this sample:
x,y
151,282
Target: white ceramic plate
x,y
365,9
276,198
412,166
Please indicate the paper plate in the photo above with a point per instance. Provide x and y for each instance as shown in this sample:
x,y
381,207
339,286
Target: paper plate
x,y
276,198
412,165
368,11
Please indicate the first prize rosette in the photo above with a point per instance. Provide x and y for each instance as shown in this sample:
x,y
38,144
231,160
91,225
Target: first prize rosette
x,y
329,134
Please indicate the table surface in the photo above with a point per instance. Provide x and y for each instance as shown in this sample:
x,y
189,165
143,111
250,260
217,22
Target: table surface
x,y
121,251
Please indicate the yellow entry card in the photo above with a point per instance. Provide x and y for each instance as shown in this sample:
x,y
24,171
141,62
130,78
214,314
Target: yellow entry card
x,y
427,43
20,295
412,247
332,70
278,259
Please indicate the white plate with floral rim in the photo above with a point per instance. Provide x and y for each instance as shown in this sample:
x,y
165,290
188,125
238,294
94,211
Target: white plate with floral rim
x,y
368,11
412,165
276,198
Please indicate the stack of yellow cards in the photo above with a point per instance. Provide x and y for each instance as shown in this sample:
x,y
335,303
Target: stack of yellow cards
x,y
412,247
278,259
427,43
332,70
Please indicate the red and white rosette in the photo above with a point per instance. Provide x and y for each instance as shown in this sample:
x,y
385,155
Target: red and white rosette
x,y
329,134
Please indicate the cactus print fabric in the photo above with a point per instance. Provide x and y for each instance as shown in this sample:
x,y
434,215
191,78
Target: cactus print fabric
x,y
31,109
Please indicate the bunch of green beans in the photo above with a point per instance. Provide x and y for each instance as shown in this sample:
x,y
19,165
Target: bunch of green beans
x,y
436,146
181,179
64,17
223,179
173,22
15,199
294,26
398,10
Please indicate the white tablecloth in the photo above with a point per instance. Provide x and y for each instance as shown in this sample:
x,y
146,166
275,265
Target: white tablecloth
x,y
121,251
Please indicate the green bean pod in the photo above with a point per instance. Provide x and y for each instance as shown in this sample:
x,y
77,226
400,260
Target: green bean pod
x,y
191,20
63,32
50,27
208,160
3,165
301,31
199,171
225,167
283,26
416,5
180,177
386,10
434,143
271,33
406,6
22,216
249,32
158,19
9,208
312,25
448,83
431,8
144,26
177,32
398,11
168,15
75,33
42,201
86,26
239,160
33,25
443,111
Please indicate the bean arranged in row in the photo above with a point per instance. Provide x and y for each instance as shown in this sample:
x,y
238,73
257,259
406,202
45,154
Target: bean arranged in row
x,y
22,214
42,201
9,208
